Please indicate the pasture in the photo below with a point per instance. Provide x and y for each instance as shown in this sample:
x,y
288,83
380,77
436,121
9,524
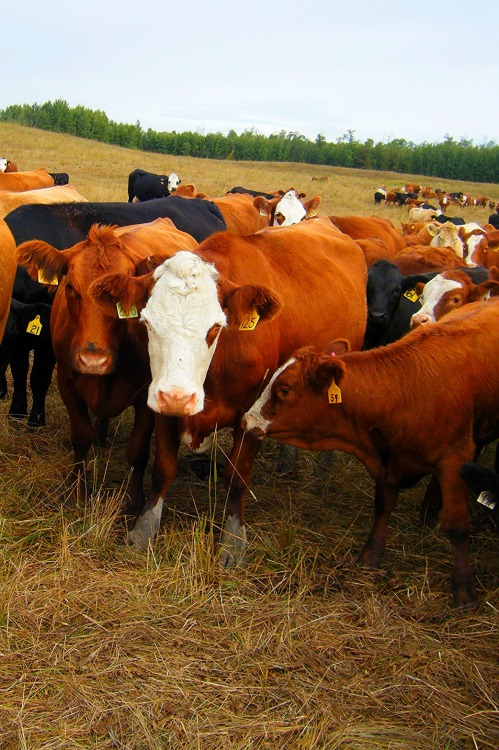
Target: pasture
x,y
105,647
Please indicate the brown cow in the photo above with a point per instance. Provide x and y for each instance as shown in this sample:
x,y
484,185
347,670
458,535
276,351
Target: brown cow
x,y
16,181
102,362
8,265
448,291
243,213
486,252
7,166
423,258
220,320
363,403
9,200
363,228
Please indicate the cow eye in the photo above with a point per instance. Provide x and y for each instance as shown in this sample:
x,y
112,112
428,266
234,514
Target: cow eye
x,y
212,334
283,391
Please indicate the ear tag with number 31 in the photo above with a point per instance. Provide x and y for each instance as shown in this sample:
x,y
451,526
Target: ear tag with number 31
x,y
34,326
249,322
122,314
334,393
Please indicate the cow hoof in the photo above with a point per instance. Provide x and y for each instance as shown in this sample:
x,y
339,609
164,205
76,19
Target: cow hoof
x,y
233,543
146,527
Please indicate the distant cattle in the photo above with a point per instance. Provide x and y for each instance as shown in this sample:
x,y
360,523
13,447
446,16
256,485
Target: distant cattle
x,y
60,178
16,181
219,321
254,193
7,166
358,403
443,219
64,224
7,273
421,214
146,186
448,291
379,196
102,363
9,200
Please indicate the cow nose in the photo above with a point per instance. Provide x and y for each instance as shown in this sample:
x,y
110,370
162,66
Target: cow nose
x,y
419,319
377,316
250,424
176,402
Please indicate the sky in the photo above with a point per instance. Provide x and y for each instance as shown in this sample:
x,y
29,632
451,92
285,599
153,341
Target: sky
x,y
420,71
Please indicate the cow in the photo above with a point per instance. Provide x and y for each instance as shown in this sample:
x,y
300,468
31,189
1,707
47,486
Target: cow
x,y
446,235
16,181
65,224
238,189
448,291
10,200
102,362
362,403
422,214
7,166
60,178
146,186
424,258
27,330
481,201
379,196
219,321
244,213
361,228
442,219
494,220
486,252
288,208
7,273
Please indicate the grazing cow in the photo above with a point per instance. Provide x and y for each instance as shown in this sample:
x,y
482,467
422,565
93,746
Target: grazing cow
x,y
219,321
17,181
27,330
362,228
146,186
422,214
60,178
7,166
102,362
446,292
481,201
10,200
379,195
7,273
411,187
64,224
428,192
362,403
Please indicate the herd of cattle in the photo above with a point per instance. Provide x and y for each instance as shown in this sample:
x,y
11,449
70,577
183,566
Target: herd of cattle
x,y
251,312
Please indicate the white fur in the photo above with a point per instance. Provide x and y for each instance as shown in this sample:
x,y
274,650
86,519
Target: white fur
x,y
173,182
291,207
254,417
433,292
3,164
182,308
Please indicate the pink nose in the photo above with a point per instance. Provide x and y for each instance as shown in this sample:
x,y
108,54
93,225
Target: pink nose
x,y
419,319
176,402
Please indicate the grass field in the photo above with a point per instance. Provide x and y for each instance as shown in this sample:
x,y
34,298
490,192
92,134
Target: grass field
x,y
105,647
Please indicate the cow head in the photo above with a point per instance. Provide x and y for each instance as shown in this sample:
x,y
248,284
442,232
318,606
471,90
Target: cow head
x,y
3,164
173,182
446,292
290,209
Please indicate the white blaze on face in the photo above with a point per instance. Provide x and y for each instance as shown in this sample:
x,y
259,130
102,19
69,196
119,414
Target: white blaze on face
x,y
173,182
253,417
433,292
184,319
3,164
290,209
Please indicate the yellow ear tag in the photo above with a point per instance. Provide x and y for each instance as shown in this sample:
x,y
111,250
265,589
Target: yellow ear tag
x,y
122,314
334,393
249,322
412,295
312,214
43,280
34,326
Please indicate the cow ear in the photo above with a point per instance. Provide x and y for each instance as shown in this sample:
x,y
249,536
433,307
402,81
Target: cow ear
x,y
337,347
243,301
311,205
36,255
481,291
150,264
262,205
432,229
326,369
129,291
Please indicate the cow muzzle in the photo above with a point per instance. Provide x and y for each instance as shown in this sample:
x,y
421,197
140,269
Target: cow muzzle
x,y
93,362
253,426
175,402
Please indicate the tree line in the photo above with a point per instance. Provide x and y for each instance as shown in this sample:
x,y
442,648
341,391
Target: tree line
x,y
450,159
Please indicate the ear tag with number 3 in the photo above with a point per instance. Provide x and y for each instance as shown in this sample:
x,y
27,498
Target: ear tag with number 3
x,y
412,295
34,326
334,393
122,314
249,322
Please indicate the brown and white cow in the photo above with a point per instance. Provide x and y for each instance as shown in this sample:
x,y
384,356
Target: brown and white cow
x,y
8,265
102,362
7,166
219,321
446,292
289,207
363,403
446,235
16,181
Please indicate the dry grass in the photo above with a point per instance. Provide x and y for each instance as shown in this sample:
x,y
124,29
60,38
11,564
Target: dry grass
x,y
103,647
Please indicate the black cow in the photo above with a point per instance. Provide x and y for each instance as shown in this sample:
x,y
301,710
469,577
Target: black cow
x,y
494,220
254,193
379,196
401,198
391,300
457,220
146,186
60,178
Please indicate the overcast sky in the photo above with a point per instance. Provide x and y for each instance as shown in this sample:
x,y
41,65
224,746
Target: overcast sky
x,y
391,69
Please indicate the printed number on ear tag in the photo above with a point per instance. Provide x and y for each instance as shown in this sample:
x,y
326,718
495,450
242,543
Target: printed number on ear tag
x,y
34,326
412,295
334,393
249,322
122,314
43,280
487,499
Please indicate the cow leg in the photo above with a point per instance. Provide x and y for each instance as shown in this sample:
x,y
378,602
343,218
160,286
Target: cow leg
x,y
431,504
385,499
455,523
287,461
164,471
19,366
137,455
41,375
81,439
237,475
